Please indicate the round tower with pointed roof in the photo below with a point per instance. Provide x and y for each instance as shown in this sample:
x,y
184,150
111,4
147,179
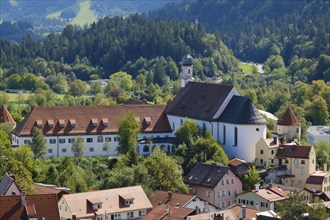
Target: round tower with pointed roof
x,y
289,126
187,69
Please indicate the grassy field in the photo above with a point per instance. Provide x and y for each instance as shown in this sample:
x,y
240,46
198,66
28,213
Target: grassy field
x,y
246,68
85,15
17,99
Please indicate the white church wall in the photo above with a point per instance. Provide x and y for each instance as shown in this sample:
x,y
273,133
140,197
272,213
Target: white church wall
x,y
247,137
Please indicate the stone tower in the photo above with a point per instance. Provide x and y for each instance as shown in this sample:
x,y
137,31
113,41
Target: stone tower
x,y
289,126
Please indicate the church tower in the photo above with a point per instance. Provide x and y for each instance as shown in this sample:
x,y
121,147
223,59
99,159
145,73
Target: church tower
x,y
289,125
187,70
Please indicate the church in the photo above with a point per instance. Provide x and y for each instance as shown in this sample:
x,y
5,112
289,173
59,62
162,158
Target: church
x,y
232,119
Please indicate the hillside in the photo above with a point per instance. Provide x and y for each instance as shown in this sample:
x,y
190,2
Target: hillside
x,y
50,16
113,44
252,28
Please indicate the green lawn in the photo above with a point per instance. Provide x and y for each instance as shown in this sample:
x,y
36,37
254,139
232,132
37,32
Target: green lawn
x,y
85,14
246,68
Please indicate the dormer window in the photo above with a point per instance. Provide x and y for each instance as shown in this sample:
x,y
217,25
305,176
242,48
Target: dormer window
x,y
39,123
147,120
127,199
105,122
72,123
94,122
61,123
50,123
96,203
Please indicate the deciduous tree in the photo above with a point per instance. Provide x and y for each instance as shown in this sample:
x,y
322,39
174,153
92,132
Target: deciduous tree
x,y
38,144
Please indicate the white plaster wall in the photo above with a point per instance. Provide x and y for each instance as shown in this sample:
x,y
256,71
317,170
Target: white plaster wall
x,y
290,131
197,202
247,138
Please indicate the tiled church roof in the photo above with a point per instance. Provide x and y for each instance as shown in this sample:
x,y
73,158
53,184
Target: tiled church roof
x,y
240,110
82,120
199,100
288,118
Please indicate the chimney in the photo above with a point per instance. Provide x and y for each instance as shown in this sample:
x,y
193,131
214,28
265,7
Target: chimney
x,y
191,192
169,195
325,167
197,210
275,139
270,185
23,198
243,212
257,187
206,207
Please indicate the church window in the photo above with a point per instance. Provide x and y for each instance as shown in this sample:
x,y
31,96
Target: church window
x,y
181,121
297,130
261,151
235,136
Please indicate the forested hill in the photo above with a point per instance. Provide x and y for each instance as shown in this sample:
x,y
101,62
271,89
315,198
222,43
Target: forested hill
x,y
252,27
117,43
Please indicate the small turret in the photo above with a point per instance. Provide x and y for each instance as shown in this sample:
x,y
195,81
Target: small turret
x,y
187,69
289,125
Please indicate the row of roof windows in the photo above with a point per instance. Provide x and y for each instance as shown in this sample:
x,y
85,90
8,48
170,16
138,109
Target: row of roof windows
x,y
93,121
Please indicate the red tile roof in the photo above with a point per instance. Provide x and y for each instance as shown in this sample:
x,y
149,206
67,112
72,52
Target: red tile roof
x,y
293,151
288,118
82,116
5,116
175,213
43,205
236,161
162,197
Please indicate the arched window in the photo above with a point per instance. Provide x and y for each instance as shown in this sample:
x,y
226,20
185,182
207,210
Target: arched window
x,y
224,134
145,148
235,136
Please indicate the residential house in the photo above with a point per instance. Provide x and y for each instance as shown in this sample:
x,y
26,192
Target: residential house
x,y
319,181
318,133
312,196
95,124
262,198
236,212
8,186
299,161
42,188
289,126
266,150
239,166
29,207
163,212
214,183
5,116
120,203
180,200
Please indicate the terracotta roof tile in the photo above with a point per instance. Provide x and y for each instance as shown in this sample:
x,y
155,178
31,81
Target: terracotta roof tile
x,y
44,206
110,198
81,120
293,151
162,197
236,161
5,116
288,118
175,213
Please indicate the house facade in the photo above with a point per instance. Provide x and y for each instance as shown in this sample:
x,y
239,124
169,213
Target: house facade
x,y
262,198
97,125
215,184
318,133
299,161
8,186
266,150
319,181
119,203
